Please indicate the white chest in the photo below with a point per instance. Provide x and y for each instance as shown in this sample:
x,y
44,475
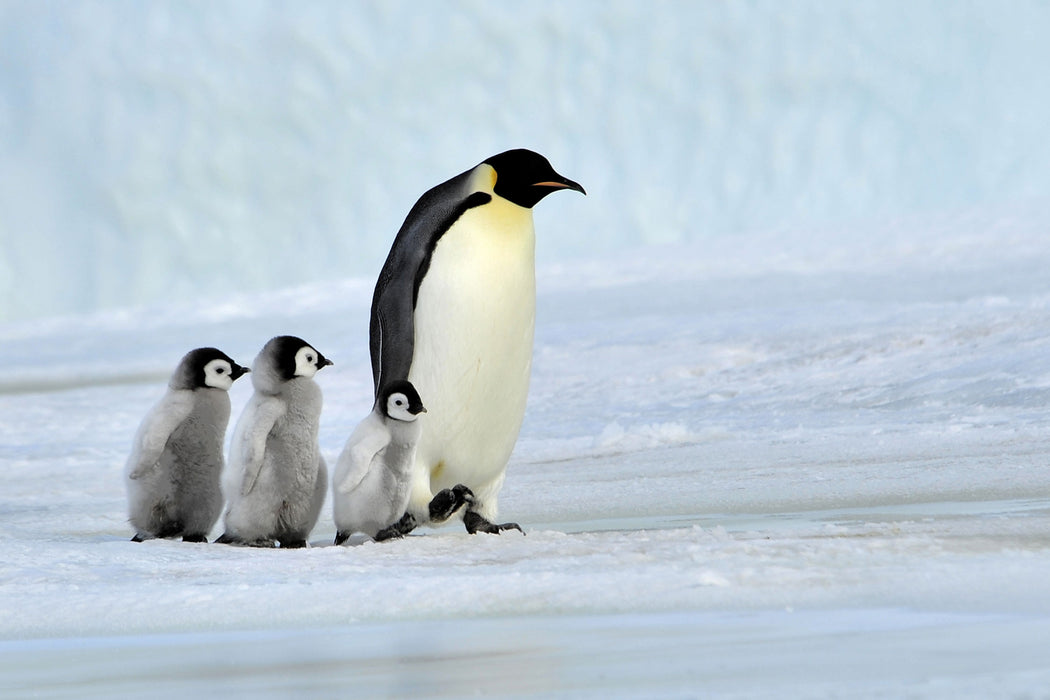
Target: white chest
x,y
474,323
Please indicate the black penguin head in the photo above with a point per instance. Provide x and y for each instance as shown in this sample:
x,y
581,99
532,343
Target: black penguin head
x,y
400,401
290,357
206,368
525,177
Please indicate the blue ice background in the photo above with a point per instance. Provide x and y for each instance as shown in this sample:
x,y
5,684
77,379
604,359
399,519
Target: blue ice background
x,y
159,151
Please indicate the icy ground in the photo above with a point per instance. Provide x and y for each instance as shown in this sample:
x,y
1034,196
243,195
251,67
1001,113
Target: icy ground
x,y
800,464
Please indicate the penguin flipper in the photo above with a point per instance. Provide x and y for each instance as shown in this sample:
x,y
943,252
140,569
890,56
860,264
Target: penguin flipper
x,y
254,442
155,431
391,329
361,449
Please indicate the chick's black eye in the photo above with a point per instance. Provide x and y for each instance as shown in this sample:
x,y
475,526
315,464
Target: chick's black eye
x,y
220,370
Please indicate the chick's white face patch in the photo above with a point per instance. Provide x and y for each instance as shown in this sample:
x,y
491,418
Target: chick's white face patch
x,y
306,362
218,374
398,407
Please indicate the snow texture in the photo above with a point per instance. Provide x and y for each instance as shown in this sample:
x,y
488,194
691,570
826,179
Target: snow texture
x,y
813,471
788,428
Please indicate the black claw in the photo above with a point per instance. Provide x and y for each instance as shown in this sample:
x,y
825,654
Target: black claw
x,y
138,538
402,527
475,524
227,538
448,501
388,533
293,544
341,537
173,529
194,538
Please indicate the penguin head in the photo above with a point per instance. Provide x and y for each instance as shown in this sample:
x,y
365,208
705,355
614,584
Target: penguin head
x,y
400,401
206,368
525,177
284,358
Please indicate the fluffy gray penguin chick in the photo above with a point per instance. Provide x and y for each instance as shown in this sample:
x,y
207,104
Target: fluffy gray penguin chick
x,y
172,475
373,478
276,479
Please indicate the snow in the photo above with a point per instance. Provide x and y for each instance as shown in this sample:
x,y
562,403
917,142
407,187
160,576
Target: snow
x,y
787,433
822,474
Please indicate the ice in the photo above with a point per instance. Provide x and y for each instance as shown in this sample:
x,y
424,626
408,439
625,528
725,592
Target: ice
x,y
787,433
734,482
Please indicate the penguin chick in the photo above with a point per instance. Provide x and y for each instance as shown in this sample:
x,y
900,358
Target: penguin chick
x,y
454,312
373,478
172,475
276,479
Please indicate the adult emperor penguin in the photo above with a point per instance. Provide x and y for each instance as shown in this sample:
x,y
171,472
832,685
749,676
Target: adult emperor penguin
x,y
172,475
373,477
276,479
454,312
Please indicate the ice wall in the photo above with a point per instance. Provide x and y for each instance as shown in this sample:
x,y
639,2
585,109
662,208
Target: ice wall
x,y
177,150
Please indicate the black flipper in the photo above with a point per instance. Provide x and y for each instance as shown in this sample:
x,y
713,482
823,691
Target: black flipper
x,y
391,330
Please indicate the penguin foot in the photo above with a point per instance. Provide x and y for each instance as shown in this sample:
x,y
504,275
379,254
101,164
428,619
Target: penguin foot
x,y
227,538
195,538
448,501
168,530
475,524
293,544
341,537
402,527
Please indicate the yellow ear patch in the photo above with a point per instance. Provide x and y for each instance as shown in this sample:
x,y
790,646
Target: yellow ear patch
x,y
483,178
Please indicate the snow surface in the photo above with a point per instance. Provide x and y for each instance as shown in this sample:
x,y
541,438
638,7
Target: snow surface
x,y
788,428
803,464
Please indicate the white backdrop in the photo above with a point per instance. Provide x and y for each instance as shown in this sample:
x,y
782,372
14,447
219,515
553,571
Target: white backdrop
x,y
162,151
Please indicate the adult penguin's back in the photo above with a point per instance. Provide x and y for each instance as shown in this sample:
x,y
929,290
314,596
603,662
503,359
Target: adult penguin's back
x,y
454,313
